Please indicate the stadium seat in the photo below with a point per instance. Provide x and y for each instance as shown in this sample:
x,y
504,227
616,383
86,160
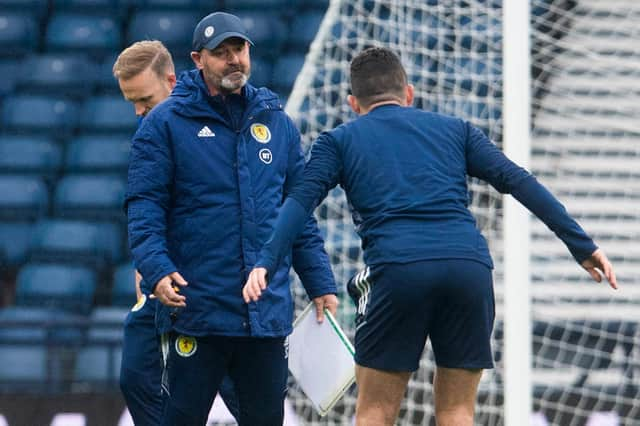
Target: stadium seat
x,y
30,155
79,242
23,198
60,286
57,74
38,7
111,7
280,5
123,292
286,71
27,324
99,364
584,344
97,154
261,72
267,30
42,114
15,240
480,33
89,197
173,28
9,70
206,6
106,325
18,33
96,35
304,28
23,367
105,82
108,113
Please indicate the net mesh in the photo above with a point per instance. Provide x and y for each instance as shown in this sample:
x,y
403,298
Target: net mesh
x,y
585,70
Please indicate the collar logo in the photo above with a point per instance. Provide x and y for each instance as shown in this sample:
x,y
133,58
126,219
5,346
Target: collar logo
x,y
139,304
265,156
260,132
186,346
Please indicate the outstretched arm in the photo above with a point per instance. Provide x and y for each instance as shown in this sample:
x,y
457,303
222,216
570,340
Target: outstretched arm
x,y
486,161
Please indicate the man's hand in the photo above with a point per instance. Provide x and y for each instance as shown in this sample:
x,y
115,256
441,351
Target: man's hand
x,y
167,292
255,284
329,301
598,264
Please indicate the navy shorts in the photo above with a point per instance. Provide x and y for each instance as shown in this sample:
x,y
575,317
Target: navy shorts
x,y
195,369
399,306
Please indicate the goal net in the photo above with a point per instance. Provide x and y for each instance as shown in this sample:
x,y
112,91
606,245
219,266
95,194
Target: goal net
x,y
585,148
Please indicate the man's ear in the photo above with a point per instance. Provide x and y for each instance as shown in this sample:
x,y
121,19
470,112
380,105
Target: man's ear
x,y
196,57
354,104
171,79
409,95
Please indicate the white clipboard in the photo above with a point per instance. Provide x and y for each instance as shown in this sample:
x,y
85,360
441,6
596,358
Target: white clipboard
x,y
321,359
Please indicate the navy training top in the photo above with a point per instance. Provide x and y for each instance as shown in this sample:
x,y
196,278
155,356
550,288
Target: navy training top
x,y
404,172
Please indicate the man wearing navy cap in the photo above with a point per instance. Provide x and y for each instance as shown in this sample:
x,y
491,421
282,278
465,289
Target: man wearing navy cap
x,y
209,170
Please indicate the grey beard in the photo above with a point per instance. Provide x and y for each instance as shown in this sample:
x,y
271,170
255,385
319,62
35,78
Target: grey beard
x,y
231,85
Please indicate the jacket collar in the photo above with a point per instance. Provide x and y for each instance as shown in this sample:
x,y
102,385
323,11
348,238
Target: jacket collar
x,y
192,99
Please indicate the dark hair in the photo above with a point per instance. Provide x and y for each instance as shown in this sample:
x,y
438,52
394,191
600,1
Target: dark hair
x,y
377,75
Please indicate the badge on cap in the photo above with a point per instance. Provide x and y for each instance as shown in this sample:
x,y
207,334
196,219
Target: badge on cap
x,y
208,32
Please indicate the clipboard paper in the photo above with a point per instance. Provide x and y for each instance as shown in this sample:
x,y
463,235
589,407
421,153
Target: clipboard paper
x,y
321,359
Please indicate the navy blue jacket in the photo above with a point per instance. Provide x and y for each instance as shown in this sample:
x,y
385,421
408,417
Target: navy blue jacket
x,y
207,177
405,172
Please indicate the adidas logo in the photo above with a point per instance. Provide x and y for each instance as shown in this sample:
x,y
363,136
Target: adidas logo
x,y
206,133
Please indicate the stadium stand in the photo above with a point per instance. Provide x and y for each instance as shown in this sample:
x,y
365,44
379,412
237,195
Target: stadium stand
x,y
64,146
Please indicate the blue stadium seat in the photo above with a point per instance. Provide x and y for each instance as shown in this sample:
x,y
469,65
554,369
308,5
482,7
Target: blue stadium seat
x,y
281,5
186,64
90,243
30,155
39,7
105,82
18,33
23,198
23,367
123,292
98,364
261,72
27,324
586,344
108,113
15,240
39,114
106,325
286,71
96,35
267,30
10,71
97,154
90,6
57,74
304,28
480,33
89,197
205,5
173,28
59,286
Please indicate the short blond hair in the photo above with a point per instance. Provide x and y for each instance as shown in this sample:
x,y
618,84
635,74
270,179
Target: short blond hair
x,y
141,55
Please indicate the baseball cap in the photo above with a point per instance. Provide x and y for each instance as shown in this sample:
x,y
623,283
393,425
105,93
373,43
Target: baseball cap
x,y
216,27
